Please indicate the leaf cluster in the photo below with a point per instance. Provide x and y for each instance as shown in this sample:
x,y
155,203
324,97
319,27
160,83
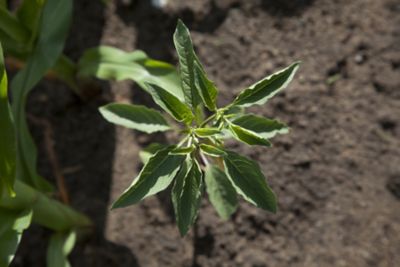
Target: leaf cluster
x,y
200,160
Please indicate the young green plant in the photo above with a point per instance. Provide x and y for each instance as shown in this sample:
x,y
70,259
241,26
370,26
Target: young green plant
x,y
200,159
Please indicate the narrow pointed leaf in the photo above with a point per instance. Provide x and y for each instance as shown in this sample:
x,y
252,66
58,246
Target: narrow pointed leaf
x,y
263,90
28,13
248,180
263,127
187,59
170,104
212,150
7,136
206,88
183,150
60,246
13,223
135,117
146,153
53,29
220,191
11,26
47,211
155,176
106,62
206,132
186,195
246,136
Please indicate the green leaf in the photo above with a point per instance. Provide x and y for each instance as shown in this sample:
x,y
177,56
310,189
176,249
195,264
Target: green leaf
x,y
206,88
248,180
187,59
234,112
263,90
246,136
28,14
13,223
10,45
47,211
186,194
146,153
263,127
11,26
60,246
170,104
183,150
106,62
206,132
212,150
7,136
155,176
135,117
220,191
53,30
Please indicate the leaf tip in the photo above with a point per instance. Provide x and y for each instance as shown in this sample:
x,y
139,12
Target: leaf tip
x,y
116,205
180,23
183,231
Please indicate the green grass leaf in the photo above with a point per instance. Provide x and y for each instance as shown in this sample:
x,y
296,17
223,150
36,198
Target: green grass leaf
x,y
263,90
135,117
10,25
13,223
155,176
186,194
47,211
248,180
187,59
60,246
53,30
106,62
170,104
263,127
246,136
212,150
220,191
8,143
28,15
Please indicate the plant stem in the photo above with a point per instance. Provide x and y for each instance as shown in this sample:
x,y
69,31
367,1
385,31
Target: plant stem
x,y
183,140
204,159
208,120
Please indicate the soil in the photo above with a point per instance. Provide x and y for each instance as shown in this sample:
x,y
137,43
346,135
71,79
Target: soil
x,y
337,173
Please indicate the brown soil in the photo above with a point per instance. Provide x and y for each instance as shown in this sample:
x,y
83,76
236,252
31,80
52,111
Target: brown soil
x,y
337,174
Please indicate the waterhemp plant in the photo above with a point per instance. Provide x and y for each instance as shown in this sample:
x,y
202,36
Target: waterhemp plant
x,y
34,36
200,159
